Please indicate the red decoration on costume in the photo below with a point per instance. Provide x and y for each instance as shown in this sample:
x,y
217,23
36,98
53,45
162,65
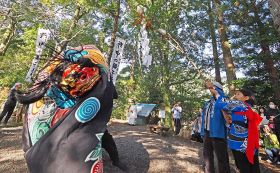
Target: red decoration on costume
x,y
59,113
254,119
97,167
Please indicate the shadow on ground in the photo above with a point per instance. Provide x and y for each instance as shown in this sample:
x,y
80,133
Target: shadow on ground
x,y
140,150
11,154
132,153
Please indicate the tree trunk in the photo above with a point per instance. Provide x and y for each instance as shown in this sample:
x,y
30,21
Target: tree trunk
x,y
214,43
166,100
7,37
165,85
115,30
274,6
267,59
227,57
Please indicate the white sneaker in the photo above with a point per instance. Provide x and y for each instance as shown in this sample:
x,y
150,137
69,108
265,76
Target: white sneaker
x,y
278,163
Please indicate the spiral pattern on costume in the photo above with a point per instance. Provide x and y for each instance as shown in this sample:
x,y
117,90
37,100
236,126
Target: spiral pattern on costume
x,y
39,130
87,110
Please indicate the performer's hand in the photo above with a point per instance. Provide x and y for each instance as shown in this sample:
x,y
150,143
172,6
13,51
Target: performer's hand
x,y
208,85
227,117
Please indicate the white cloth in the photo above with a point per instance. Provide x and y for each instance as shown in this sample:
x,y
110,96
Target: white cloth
x,y
177,112
161,113
132,114
264,120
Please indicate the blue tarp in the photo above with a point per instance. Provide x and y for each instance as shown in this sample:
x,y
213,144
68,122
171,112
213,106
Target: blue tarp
x,y
144,109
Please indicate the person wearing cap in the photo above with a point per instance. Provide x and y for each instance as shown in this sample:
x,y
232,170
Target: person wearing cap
x,y
243,133
213,130
10,104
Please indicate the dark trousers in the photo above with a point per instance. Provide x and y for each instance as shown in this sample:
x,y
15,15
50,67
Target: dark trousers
x,y
244,165
219,146
8,111
177,124
110,146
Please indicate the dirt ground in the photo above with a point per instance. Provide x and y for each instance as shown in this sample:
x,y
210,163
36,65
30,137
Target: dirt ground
x,y
141,150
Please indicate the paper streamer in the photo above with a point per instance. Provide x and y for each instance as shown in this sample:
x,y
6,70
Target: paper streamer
x,y
143,47
116,58
42,38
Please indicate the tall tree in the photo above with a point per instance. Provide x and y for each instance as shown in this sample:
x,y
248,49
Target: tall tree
x,y
227,56
214,41
267,58
275,11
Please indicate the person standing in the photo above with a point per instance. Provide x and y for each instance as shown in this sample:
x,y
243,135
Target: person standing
x,y
274,116
243,133
177,111
10,104
213,130
272,111
132,113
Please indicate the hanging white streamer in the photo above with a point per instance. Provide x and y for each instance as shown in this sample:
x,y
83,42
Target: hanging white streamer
x,y
116,58
143,47
42,37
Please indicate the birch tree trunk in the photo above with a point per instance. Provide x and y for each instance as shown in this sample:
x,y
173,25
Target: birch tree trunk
x,y
115,30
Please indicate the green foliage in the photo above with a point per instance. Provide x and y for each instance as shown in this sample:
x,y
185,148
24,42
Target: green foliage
x,y
170,78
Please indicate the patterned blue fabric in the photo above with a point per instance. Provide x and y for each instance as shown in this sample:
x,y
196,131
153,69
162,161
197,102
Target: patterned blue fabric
x,y
238,130
74,55
61,100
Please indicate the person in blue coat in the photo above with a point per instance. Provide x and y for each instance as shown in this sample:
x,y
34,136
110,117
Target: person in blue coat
x,y
214,131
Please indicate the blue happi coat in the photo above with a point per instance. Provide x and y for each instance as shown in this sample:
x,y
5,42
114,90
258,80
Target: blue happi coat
x,y
217,122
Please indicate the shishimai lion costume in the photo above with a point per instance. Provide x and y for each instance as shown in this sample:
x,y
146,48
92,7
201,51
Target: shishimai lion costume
x,y
69,106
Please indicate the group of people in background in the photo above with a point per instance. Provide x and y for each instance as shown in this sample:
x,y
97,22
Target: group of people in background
x,y
270,132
